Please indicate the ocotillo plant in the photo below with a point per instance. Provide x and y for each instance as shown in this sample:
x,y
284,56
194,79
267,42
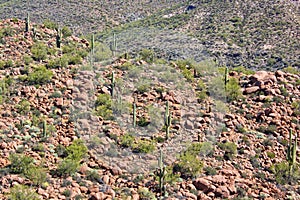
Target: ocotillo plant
x,y
168,120
44,128
292,152
58,38
134,112
27,23
161,174
112,83
113,46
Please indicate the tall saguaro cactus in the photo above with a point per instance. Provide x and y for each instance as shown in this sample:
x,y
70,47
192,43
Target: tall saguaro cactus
x,y
27,23
113,46
58,38
44,128
292,151
168,120
112,83
134,112
226,76
92,49
161,174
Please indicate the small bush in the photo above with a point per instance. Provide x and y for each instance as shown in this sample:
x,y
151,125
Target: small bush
x,y
60,62
23,107
67,167
93,175
233,90
66,31
104,106
37,175
271,155
291,70
201,149
188,165
230,149
147,55
210,171
283,175
77,150
143,146
39,51
40,75
22,192
127,140
242,69
50,24
20,164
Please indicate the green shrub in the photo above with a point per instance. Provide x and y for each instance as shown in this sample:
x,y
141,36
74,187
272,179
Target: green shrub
x,y
188,165
283,175
37,175
127,140
39,51
103,106
66,31
20,163
67,167
147,55
50,24
23,106
143,146
210,171
77,150
61,151
291,70
242,69
93,175
216,88
40,75
233,90
230,149
271,154
200,149
60,62
22,192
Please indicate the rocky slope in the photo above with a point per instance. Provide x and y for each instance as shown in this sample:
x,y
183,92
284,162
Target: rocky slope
x,y
48,100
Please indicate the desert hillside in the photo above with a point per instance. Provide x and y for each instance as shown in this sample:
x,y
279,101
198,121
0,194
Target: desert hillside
x,y
80,120
260,34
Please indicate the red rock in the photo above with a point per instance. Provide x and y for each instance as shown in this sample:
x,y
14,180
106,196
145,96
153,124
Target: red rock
x,y
97,196
222,191
250,90
202,184
105,179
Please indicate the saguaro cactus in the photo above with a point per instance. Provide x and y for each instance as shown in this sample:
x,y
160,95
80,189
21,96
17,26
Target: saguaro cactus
x,y
168,120
92,49
113,46
44,128
226,76
58,38
27,23
134,112
161,174
292,151
112,83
